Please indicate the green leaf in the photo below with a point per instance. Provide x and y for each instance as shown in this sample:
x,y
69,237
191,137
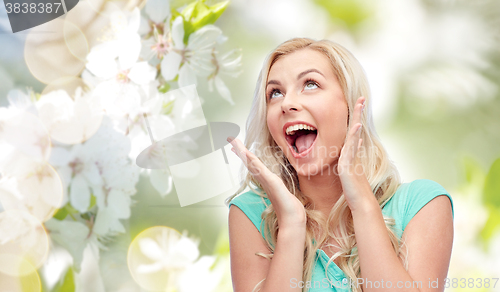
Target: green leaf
x,y
86,216
210,15
164,88
67,284
70,209
92,201
188,30
491,191
351,12
188,11
61,213
198,14
176,4
491,226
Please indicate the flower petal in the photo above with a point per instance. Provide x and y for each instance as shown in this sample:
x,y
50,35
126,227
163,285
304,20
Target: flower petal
x,y
223,90
151,249
91,173
71,235
204,38
231,62
107,222
130,48
221,39
119,203
178,32
208,278
184,252
79,194
143,26
161,181
18,99
157,10
101,60
134,20
142,73
187,76
146,52
146,269
170,65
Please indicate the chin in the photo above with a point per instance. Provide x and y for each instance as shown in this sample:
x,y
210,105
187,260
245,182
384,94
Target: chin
x,y
315,166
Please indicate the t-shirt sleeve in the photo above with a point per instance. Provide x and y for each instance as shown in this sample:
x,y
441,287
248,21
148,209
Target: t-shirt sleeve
x,y
252,205
421,192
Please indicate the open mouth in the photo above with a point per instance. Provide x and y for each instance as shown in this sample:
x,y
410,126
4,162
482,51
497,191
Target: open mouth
x,y
301,139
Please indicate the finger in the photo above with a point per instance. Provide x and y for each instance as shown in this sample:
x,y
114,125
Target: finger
x,y
352,141
358,110
239,149
359,147
355,141
252,162
257,168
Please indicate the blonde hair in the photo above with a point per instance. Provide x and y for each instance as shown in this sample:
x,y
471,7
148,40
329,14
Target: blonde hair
x,y
380,171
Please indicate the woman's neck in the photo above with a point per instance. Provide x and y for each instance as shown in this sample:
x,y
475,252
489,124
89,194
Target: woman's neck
x,y
323,189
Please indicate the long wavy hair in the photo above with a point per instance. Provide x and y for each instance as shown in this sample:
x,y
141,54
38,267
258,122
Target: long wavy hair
x,y
381,173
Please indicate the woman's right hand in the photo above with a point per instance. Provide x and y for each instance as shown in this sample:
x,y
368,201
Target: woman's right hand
x,y
289,210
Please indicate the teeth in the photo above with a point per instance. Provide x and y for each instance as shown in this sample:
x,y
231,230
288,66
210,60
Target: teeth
x,y
291,130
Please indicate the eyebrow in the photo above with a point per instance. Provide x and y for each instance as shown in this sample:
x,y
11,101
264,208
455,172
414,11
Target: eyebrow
x,y
309,71
298,76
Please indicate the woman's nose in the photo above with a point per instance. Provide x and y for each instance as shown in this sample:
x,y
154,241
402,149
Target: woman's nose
x,y
290,103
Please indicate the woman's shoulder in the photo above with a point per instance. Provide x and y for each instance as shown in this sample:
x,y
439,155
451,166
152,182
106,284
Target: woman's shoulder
x,y
410,197
252,204
249,197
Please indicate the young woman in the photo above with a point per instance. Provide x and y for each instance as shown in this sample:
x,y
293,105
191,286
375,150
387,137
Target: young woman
x,y
327,210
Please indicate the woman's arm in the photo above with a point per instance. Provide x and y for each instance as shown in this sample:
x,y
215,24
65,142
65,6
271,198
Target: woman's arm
x,y
282,273
286,266
429,239
429,235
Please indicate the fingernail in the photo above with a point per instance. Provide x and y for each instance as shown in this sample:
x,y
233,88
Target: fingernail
x,y
230,139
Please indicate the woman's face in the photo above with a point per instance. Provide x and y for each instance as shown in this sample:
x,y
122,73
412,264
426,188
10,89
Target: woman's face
x,y
302,89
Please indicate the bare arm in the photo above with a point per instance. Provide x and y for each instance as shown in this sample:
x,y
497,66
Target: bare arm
x,y
285,269
429,235
282,273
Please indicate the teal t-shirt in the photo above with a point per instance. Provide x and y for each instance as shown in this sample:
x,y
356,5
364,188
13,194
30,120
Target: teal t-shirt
x,y
403,205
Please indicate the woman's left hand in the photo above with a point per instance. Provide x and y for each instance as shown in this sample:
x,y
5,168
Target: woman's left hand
x,y
350,169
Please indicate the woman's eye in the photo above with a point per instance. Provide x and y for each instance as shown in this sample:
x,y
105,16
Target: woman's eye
x,y
311,85
275,93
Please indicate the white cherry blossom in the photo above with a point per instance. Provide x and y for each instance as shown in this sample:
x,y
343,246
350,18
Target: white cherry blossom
x,y
207,278
116,63
228,64
100,166
168,252
193,59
